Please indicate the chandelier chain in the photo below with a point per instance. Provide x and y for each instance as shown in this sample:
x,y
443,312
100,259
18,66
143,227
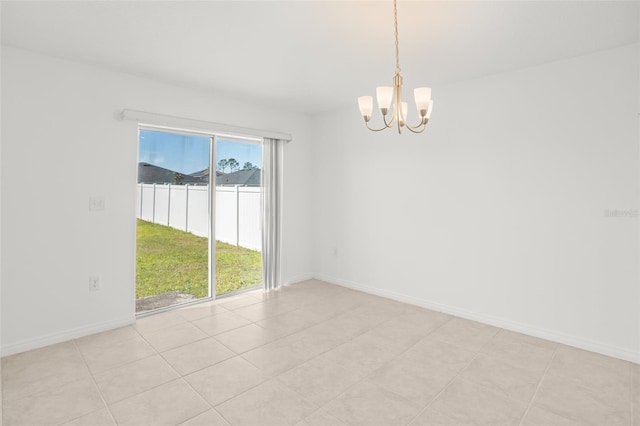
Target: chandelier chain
x,y
393,109
395,23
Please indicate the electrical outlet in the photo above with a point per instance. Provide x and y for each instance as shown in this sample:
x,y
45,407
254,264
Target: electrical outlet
x,y
96,203
94,283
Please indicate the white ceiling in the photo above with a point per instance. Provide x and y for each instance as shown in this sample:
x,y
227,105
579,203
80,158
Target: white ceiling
x,y
315,55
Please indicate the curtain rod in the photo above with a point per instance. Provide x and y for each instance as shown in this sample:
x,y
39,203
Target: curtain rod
x,y
169,121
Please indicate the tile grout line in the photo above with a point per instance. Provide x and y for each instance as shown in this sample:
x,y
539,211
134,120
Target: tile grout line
x,y
535,393
366,376
407,350
131,362
208,336
180,376
158,353
275,376
198,393
320,353
453,379
95,383
445,387
264,380
451,318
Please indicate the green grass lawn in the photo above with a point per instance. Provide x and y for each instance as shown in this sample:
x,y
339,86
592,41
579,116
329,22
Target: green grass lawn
x,y
170,260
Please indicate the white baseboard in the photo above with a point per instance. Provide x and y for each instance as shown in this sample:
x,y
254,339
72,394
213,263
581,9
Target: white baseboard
x,y
298,278
63,336
577,342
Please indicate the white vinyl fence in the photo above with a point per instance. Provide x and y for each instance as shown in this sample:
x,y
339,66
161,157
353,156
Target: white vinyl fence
x,y
185,207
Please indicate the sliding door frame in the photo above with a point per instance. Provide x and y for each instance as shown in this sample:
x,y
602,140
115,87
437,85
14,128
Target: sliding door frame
x,y
212,217
213,140
212,204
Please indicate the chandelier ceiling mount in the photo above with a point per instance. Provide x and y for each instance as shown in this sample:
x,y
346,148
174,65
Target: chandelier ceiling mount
x,y
386,95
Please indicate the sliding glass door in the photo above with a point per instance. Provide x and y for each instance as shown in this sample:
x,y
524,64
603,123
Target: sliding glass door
x,y
198,232
237,215
173,219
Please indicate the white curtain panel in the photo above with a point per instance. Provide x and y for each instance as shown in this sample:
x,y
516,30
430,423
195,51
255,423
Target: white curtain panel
x,y
272,155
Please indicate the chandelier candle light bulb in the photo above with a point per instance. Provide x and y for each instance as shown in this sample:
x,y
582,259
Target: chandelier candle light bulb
x,y
386,95
366,106
422,96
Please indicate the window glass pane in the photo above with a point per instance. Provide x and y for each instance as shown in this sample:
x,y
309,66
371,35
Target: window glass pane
x,y
238,196
173,219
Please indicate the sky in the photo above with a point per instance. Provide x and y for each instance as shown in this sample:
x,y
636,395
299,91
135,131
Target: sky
x,y
188,154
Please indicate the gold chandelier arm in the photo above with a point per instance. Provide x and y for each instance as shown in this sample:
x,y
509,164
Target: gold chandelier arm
x,y
420,127
387,124
376,130
392,121
417,129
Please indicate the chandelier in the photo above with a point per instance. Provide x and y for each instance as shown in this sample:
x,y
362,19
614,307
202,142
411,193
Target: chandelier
x,y
385,95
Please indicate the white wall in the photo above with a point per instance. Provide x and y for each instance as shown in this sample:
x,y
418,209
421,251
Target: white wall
x,y
497,212
60,128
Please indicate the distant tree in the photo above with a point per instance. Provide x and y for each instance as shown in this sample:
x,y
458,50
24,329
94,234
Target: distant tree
x,y
233,164
223,164
247,166
178,178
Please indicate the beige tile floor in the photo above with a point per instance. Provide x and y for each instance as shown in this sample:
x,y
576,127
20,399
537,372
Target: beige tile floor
x,y
315,354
